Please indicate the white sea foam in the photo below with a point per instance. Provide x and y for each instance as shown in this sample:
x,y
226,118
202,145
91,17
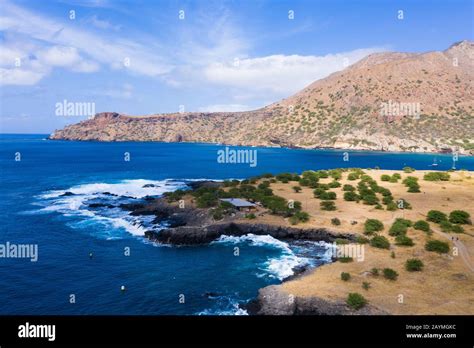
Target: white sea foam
x,y
76,204
126,188
275,267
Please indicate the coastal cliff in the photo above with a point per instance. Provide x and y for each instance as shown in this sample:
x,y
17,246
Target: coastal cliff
x,y
415,102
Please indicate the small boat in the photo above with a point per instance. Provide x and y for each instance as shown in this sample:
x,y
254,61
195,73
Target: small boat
x,y
435,163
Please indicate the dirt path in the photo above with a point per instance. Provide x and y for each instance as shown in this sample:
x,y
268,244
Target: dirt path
x,y
461,249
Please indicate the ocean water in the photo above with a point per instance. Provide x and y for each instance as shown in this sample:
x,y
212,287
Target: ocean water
x,y
45,200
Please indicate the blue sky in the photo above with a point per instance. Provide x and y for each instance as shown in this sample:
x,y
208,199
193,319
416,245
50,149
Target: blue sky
x,y
139,57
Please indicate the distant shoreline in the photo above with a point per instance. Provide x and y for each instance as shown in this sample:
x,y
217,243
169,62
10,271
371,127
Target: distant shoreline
x,y
270,147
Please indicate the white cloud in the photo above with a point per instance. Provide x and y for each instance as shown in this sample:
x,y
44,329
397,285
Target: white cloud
x,y
20,77
280,74
59,44
66,57
225,108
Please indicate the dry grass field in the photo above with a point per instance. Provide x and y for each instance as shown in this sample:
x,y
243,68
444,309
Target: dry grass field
x,y
446,283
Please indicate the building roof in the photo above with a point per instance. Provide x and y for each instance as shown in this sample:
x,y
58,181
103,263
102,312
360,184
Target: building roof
x,y
237,202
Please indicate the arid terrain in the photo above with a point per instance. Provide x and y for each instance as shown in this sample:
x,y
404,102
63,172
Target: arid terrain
x,y
429,97
446,284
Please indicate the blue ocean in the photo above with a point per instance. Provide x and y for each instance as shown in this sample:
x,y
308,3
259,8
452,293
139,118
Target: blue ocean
x,y
87,251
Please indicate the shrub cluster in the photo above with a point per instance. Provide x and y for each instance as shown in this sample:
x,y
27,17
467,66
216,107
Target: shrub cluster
x,y
436,176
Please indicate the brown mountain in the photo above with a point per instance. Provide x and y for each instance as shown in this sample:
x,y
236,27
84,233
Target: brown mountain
x,y
419,102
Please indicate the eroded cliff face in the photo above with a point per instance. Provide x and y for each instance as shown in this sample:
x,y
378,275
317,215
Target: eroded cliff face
x,y
387,101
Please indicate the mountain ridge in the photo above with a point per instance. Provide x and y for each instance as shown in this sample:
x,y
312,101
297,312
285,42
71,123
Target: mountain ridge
x,y
428,96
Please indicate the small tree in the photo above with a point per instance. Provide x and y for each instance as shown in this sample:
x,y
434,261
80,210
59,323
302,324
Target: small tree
x,y
403,240
390,274
436,216
335,221
422,225
380,242
297,189
372,225
348,187
356,301
345,276
351,196
328,205
413,265
437,246
328,195
460,217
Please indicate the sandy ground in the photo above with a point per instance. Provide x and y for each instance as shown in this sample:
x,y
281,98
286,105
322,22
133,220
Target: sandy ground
x,y
446,284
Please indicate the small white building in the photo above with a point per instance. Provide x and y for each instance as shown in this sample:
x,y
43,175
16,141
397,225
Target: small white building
x,y
240,204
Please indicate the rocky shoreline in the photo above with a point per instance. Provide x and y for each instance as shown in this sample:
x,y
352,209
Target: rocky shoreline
x,y
191,227
192,235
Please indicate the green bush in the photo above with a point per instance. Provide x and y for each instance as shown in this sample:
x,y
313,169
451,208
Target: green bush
x,y
348,187
318,192
460,217
414,188
362,240
446,226
250,216
375,272
297,189
392,206
408,169
372,225
399,227
413,265
410,180
366,285
370,199
335,221
341,241
356,301
436,176
286,177
345,276
299,216
352,176
351,196
328,196
334,184
437,246
457,229
436,216
206,200
393,179
385,177
403,240
380,242
390,274
336,174
328,205
345,259
422,225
